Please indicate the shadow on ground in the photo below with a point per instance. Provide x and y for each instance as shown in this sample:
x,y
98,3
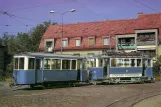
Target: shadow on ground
x,y
41,87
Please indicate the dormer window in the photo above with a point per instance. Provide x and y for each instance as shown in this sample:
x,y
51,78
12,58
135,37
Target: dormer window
x,y
49,45
65,42
91,41
77,42
106,40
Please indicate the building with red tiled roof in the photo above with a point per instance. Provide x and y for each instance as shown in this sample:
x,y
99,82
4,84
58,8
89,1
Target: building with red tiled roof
x,y
140,34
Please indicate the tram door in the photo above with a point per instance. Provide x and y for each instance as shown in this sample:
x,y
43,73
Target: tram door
x,y
37,69
106,65
144,67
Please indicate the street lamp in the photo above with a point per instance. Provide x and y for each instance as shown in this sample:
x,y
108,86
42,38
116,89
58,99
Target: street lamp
x,y
72,10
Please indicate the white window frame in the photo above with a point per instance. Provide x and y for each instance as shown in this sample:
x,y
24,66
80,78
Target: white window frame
x,y
70,64
79,43
66,43
28,63
51,64
122,61
49,40
19,62
108,41
89,41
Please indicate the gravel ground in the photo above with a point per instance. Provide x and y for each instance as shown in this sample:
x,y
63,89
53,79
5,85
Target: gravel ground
x,y
85,96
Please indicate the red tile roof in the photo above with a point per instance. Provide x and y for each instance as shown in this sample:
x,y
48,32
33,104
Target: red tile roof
x,y
103,28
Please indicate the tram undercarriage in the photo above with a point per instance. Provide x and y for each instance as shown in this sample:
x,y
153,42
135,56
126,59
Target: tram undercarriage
x,y
124,80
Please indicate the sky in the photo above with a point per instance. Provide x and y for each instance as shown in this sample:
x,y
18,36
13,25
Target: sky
x,y
26,14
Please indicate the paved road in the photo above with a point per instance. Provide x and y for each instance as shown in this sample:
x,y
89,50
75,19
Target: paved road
x,y
85,96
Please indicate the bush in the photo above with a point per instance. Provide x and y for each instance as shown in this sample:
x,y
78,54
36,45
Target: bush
x,y
157,68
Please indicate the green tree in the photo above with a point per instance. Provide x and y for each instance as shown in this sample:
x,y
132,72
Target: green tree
x,y
156,67
12,45
22,42
37,33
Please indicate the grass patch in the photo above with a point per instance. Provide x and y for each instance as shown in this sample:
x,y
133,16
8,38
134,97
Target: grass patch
x,y
157,78
6,79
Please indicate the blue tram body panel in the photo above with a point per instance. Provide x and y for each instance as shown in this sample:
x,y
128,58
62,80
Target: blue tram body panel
x,y
53,75
59,75
71,75
96,73
29,77
83,75
125,70
39,78
149,72
24,76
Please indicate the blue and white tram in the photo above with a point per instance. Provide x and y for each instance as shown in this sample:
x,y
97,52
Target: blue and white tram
x,y
121,68
37,68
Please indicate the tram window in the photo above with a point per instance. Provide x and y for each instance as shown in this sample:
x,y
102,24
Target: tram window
x,y
113,62
66,64
84,63
132,62
92,63
78,64
31,63
105,62
73,64
119,63
100,62
47,64
16,63
138,62
21,63
149,62
56,64
126,62
38,63
84,66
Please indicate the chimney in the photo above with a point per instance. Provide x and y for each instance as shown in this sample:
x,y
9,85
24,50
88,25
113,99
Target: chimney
x,y
140,13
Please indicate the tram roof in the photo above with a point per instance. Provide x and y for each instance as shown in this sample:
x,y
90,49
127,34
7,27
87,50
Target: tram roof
x,y
120,55
123,53
50,55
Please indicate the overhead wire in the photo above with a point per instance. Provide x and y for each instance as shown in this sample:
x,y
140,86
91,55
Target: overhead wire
x,y
14,25
39,6
146,6
25,18
15,18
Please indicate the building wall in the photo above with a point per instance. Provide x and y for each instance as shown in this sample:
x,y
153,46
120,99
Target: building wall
x,y
99,43
145,23
159,50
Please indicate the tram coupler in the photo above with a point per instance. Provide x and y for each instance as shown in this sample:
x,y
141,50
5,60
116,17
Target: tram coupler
x,y
11,85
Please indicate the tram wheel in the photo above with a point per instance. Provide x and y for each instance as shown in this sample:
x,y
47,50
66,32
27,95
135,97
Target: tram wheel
x,y
32,86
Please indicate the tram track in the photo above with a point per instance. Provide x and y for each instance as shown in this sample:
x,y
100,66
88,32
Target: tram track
x,y
134,99
144,99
